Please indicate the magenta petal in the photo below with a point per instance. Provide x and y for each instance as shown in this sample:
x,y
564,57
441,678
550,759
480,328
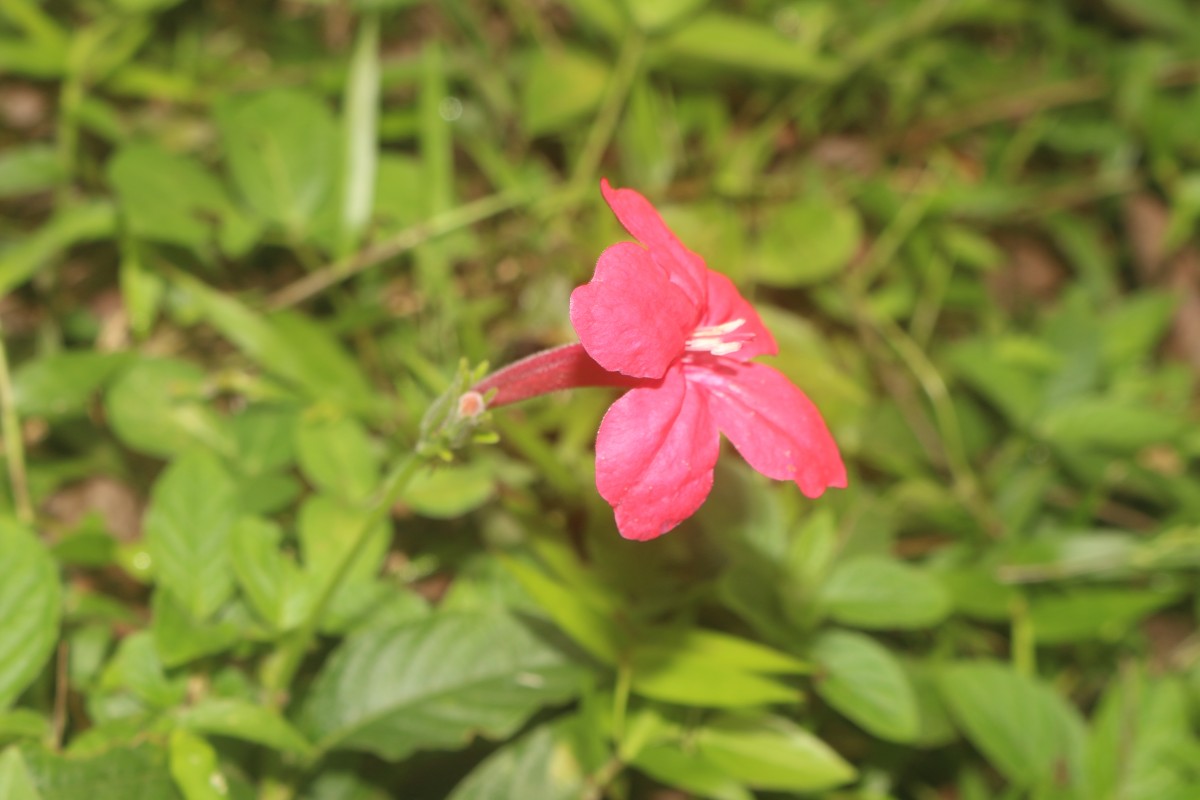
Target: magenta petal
x,y
684,268
775,427
655,454
629,317
725,304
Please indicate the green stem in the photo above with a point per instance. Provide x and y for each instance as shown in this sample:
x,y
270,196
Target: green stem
x,y
14,445
292,651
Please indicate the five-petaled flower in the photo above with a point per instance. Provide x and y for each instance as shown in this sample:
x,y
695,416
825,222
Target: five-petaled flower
x,y
654,311
655,319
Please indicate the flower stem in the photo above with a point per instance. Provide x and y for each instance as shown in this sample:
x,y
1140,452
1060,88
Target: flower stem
x,y
566,367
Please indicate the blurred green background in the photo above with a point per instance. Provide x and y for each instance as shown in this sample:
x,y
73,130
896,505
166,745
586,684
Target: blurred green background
x,y
244,246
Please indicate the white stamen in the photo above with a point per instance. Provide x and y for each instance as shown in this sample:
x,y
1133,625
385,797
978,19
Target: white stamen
x,y
718,330
711,339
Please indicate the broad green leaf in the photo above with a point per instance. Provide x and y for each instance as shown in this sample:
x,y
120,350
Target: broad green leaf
x,y
807,242
433,684
1086,614
194,767
142,290
179,638
590,625
280,145
706,668
292,346
863,680
23,723
239,719
769,752
28,169
450,491
15,781
69,227
30,609
264,437
337,456
880,593
560,87
1109,424
191,513
119,773
541,764
328,530
62,384
729,41
360,132
159,406
271,581
1022,726
136,668
681,767
166,197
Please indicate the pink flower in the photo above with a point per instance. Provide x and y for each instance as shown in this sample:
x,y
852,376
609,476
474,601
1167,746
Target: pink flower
x,y
683,337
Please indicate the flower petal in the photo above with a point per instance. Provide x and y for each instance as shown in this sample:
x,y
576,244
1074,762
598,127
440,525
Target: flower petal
x,y
684,268
655,454
773,424
630,318
725,304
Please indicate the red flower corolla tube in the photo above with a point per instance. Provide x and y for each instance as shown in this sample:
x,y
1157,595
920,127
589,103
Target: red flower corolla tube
x,y
655,319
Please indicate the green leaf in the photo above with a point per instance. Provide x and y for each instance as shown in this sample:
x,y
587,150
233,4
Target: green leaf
x,y
292,346
541,764
194,767
1115,425
726,40
62,384
279,145
807,242
327,530
1023,727
863,680
272,582
1085,614
337,456
879,593
30,609
683,768
187,531
180,638
450,491
15,781
434,683
69,227
662,14
239,719
166,197
158,406
560,87
28,169
360,125
769,752
119,773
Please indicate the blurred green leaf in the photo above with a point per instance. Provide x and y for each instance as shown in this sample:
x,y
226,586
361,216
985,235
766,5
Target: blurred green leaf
x,y
30,609
15,781
807,242
863,680
25,170
272,582
540,764
654,17
194,767
1084,614
559,88
239,719
434,683
62,384
360,131
68,227
1109,424
1022,726
733,42
118,773
768,752
685,769
337,456
876,592
158,406
187,530
449,491
278,144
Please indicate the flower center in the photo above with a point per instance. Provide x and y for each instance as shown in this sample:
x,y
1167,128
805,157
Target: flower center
x,y
719,340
